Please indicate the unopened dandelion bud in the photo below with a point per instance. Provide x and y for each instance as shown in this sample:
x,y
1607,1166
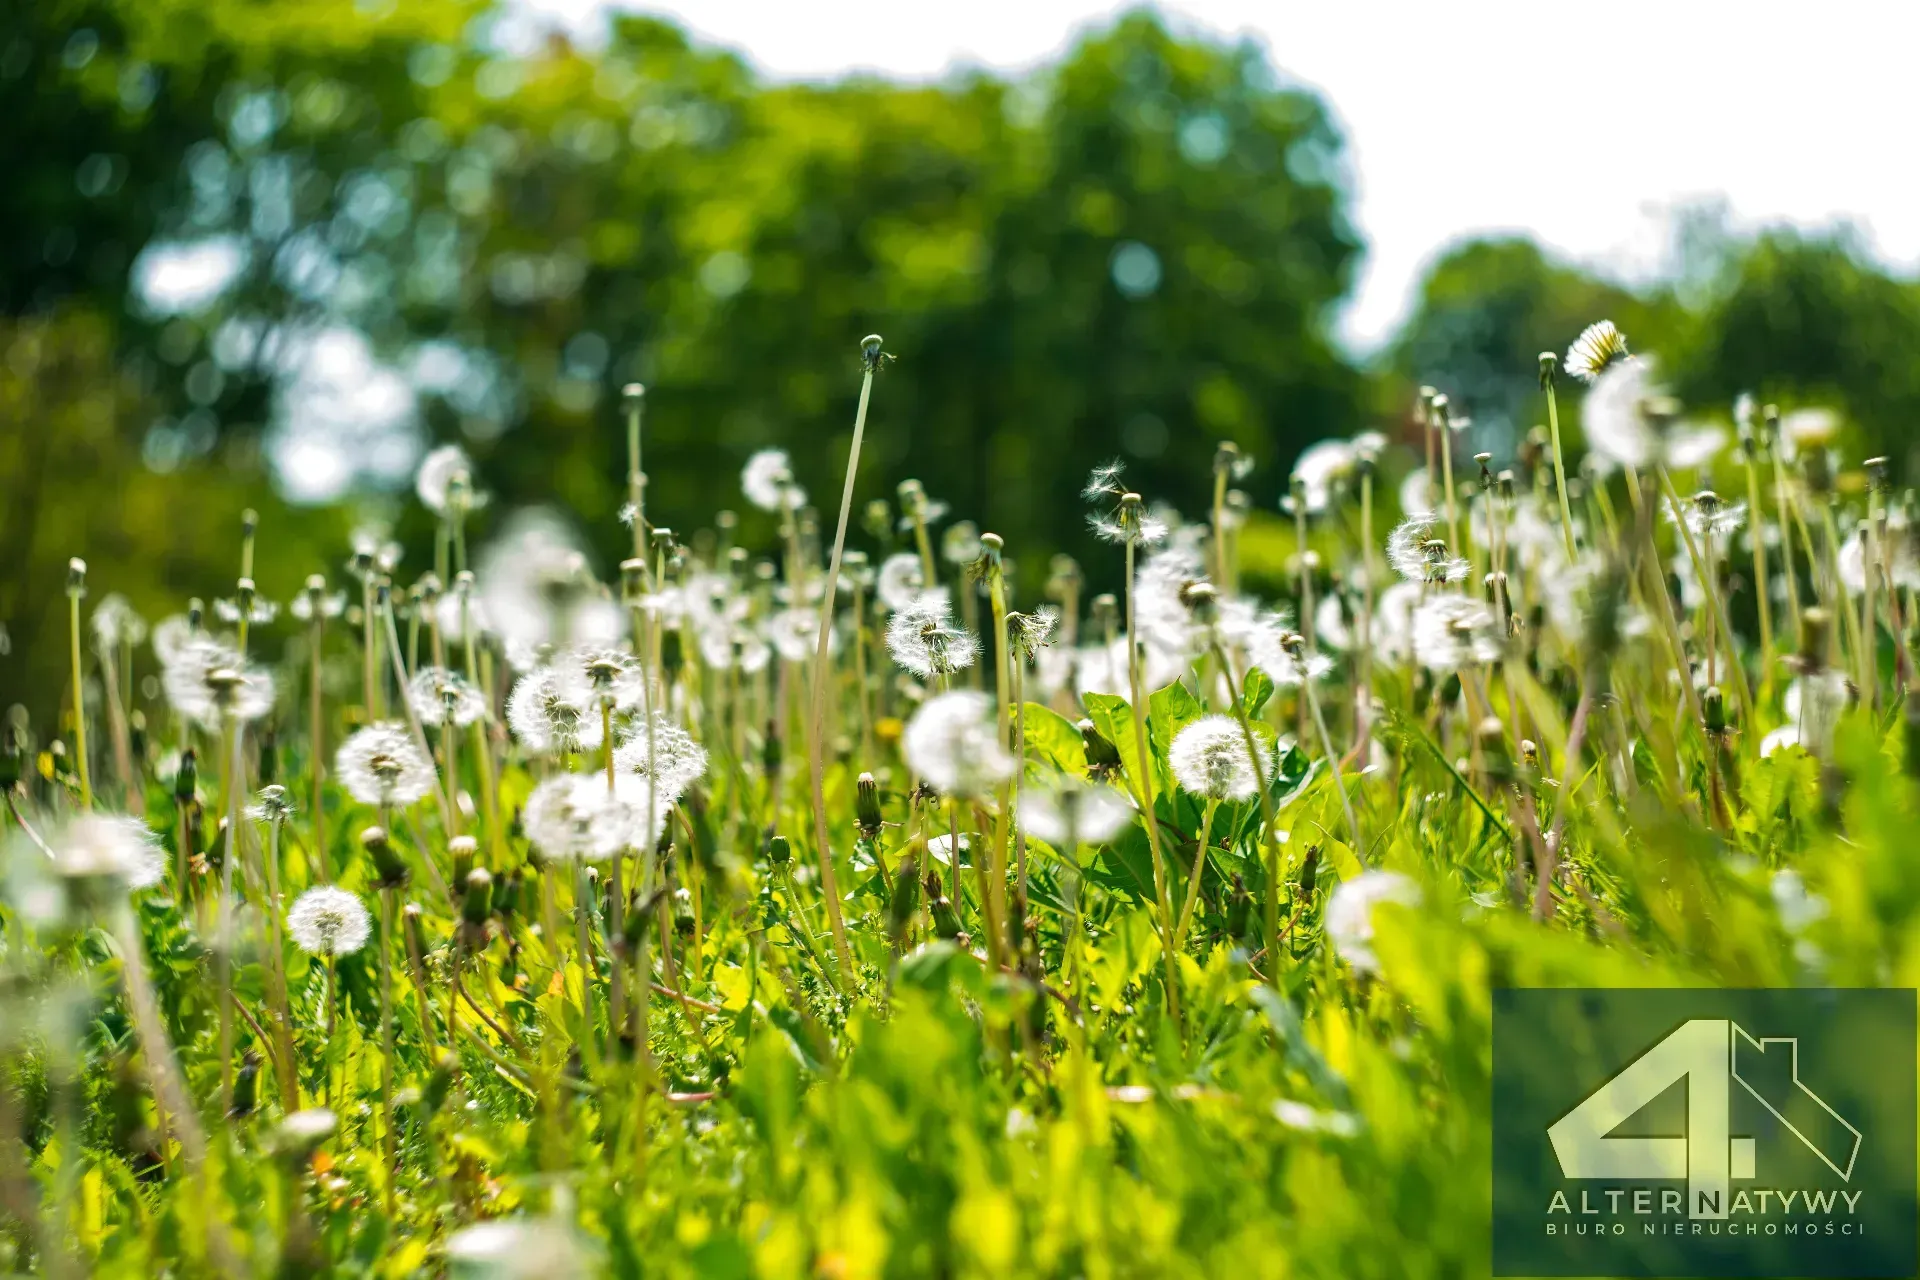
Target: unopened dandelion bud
x,y
413,920
390,871
779,851
672,657
1816,629
439,1085
1817,468
877,519
904,898
1496,758
1503,485
1879,479
477,901
463,850
1103,757
246,1087
1713,709
1530,755
1549,362
913,498
1105,609
1770,415
186,778
867,805
1310,871
1202,601
76,577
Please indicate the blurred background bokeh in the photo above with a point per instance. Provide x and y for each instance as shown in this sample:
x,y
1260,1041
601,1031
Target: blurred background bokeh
x,y
264,255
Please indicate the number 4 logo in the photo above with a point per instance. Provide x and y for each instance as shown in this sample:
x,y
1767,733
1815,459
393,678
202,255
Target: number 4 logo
x,y
1707,1055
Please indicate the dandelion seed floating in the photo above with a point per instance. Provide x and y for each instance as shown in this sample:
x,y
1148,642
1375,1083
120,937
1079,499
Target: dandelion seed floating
x,y
1071,813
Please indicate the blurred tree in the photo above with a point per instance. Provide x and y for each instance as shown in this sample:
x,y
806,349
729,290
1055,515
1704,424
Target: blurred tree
x,y
1486,310
1801,318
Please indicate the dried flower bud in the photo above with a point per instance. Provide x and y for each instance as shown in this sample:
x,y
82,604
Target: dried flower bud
x,y
477,903
1549,362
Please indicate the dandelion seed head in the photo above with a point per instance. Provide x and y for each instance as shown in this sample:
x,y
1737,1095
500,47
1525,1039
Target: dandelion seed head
x,y
923,640
1452,632
953,743
327,921
115,623
1349,919
517,1249
1614,415
794,634
552,709
1418,554
1070,813
1598,348
1210,758
209,683
273,804
901,580
380,765
768,482
577,816
258,611
670,757
435,479
117,848
1104,482
439,695
1321,470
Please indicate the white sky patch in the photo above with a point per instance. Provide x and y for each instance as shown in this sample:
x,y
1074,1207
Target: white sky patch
x,y
341,417
1584,127
176,277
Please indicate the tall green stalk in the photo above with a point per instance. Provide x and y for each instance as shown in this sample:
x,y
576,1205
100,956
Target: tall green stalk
x,y
870,357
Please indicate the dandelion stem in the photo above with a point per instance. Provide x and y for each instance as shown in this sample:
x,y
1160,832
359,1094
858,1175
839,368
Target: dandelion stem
x,y
1142,775
816,749
79,701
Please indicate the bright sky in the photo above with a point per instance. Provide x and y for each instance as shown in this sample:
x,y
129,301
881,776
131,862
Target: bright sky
x,y
1582,124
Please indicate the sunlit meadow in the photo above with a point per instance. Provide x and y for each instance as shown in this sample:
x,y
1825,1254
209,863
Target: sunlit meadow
x,y
842,906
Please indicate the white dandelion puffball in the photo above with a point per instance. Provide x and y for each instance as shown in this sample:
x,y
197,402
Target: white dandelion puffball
x,y
795,633
1599,346
326,921
1350,913
537,588
1321,468
953,743
1451,632
576,816
110,847
1614,419
669,756
209,683
922,638
115,623
439,695
1418,553
901,580
767,480
552,708
517,1249
1210,758
1073,814
434,482
381,765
